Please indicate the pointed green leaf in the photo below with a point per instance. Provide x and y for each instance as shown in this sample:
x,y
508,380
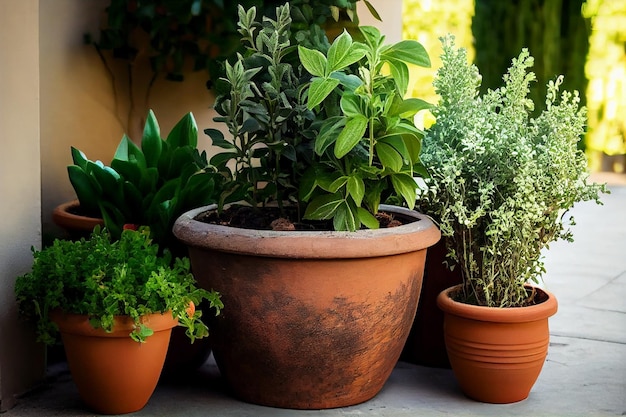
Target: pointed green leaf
x,y
87,190
409,51
319,89
343,53
184,133
79,158
151,142
409,107
405,186
328,133
356,189
337,184
388,156
367,218
313,61
350,135
323,207
217,139
127,151
400,74
346,218
351,104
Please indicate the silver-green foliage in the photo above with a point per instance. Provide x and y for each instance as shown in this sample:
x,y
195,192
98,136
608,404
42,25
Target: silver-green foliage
x,y
502,180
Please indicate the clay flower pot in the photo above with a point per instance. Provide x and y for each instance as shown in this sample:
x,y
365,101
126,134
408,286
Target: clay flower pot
x,y
66,216
113,373
426,345
496,353
313,319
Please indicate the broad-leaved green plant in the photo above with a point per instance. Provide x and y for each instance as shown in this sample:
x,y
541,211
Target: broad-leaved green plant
x,y
149,185
325,129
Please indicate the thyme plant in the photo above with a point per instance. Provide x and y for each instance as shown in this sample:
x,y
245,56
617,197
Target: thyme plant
x,y
501,180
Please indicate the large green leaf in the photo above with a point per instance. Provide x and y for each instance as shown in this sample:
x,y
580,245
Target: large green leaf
x,y
343,53
323,207
351,104
400,74
185,133
151,142
409,51
88,191
356,189
319,89
389,157
367,218
350,135
346,217
409,107
79,158
406,187
328,134
313,61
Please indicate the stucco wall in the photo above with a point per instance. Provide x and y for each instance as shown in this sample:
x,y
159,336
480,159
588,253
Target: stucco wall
x,y
82,106
21,360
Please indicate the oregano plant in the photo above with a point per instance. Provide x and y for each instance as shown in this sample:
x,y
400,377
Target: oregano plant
x,y
501,180
102,277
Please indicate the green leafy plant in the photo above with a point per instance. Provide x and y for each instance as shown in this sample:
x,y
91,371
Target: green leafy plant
x,y
149,185
323,128
501,180
368,143
102,278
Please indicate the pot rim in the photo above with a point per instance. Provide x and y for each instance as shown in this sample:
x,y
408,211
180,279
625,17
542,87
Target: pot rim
x,y
78,324
62,217
535,312
409,237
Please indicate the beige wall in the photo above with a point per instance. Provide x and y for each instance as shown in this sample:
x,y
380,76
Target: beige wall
x,y
21,360
78,104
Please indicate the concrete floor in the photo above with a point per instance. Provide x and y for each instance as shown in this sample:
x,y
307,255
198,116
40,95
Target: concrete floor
x,y
584,375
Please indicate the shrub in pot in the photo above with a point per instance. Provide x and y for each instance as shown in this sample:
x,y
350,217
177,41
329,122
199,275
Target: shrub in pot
x,y
114,303
501,183
324,135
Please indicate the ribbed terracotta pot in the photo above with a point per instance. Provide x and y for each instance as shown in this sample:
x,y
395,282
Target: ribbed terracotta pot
x,y
113,373
65,216
496,353
312,319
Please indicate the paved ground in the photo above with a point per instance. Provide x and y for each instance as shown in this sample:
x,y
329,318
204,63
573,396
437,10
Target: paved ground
x,y
585,373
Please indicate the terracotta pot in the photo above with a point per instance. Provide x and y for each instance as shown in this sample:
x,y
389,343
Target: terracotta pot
x,y
76,225
496,353
426,345
113,373
312,319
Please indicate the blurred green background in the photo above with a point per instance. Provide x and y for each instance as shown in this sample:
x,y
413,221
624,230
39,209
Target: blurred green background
x,y
583,40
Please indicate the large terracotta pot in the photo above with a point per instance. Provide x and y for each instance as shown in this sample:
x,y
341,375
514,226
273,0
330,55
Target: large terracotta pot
x,y
312,319
426,345
496,353
113,373
66,216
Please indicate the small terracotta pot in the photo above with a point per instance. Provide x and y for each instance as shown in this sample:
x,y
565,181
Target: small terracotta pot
x,y
113,373
312,319
76,225
496,353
